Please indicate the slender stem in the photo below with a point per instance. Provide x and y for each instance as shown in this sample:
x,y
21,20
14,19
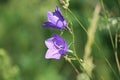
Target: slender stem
x,y
113,45
73,41
81,26
106,17
76,70
69,29
78,20
91,31
88,59
100,50
75,54
111,68
74,50
116,56
73,37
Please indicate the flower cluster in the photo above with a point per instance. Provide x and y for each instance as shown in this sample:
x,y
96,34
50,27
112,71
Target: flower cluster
x,y
56,45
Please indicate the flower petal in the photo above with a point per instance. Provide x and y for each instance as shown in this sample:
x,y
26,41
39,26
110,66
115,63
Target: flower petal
x,y
58,14
49,43
63,51
49,24
52,18
60,24
52,54
46,24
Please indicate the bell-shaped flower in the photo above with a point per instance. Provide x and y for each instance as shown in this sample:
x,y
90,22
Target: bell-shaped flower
x,y
55,20
56,47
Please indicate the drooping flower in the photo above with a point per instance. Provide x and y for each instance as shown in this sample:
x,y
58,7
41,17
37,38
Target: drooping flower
x,y
56,47
55,19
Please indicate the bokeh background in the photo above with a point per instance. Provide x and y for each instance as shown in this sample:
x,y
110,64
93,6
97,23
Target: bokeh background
x,y
22,37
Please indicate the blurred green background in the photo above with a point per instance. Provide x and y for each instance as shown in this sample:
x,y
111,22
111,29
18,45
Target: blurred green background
x,y
22,47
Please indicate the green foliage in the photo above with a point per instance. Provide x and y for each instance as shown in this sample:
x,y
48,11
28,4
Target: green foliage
x,y
8,72
22,38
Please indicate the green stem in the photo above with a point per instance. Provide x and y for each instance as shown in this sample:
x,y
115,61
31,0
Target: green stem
x,y
116,56
112,68
74,50
73,41
113,45
106,17
76,70
75,54
78,20
73,37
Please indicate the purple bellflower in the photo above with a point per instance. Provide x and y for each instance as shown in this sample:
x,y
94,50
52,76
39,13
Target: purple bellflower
x,y
56,47
55,20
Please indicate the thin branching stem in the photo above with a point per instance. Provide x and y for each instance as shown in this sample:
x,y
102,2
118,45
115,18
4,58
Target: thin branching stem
x,y
76,70
70,29
74,52
81,26
77,20
111,68
113,45
116,56
108,26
